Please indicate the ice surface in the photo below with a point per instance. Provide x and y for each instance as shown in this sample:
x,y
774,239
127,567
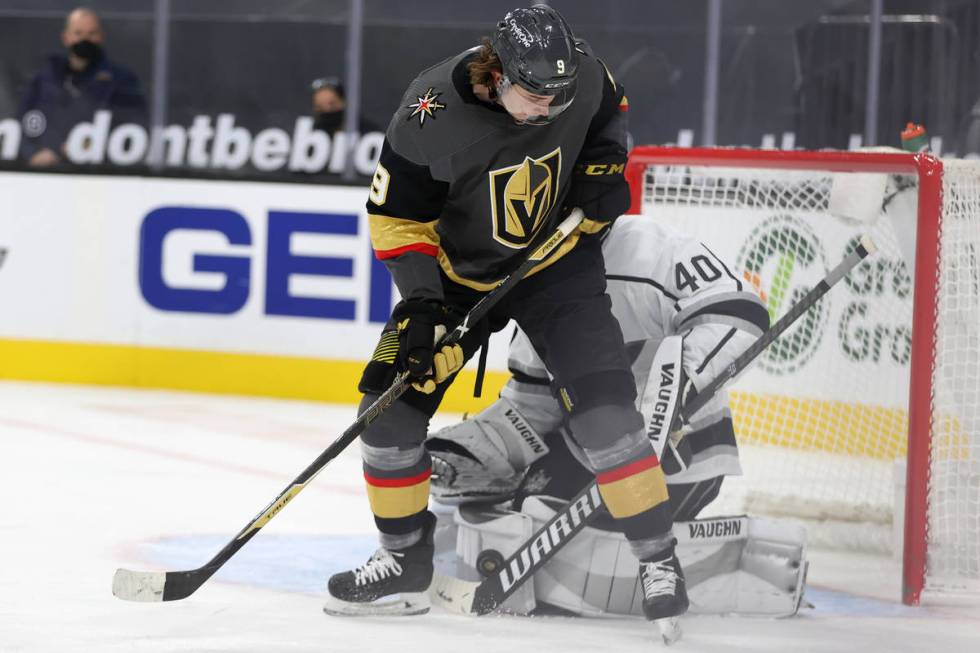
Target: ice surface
x,y
94,479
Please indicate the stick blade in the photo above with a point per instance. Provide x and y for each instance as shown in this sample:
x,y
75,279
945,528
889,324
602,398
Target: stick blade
x,y
453,594
144,586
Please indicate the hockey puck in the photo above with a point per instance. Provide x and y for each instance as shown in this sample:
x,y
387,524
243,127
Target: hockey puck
x,y
489,562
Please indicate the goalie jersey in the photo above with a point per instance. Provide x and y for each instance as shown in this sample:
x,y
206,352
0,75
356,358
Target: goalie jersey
x,y
664,283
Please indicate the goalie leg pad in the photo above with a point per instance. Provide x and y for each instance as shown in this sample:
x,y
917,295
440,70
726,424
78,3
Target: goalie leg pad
x,y
742,565
485,537
733,565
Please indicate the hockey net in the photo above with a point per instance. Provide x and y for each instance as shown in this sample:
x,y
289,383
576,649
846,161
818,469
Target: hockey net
x,y
864,418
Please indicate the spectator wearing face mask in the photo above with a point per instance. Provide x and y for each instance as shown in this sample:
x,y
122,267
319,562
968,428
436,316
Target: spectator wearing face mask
x,y
71,87
329,106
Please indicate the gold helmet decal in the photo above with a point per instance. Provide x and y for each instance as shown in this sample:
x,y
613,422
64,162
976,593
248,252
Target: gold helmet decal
x,y
522,196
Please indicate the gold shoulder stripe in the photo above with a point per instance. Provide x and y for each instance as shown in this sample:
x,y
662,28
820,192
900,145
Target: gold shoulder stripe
x,y
391,233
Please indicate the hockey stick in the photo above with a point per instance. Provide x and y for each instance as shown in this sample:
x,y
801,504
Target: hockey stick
x,y
478,598
175,585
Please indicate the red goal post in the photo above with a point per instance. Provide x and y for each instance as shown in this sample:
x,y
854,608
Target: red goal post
x,y
709,168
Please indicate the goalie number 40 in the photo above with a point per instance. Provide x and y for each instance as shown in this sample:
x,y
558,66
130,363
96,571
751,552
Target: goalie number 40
x,y
704,269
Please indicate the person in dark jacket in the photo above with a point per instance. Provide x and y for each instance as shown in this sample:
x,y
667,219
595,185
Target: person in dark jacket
x,y
329,106
969,133
72,87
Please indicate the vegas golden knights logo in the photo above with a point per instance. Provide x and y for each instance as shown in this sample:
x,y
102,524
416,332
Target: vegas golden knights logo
x,y
521,197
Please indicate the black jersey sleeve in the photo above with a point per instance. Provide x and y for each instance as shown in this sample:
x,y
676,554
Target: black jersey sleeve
x,y
598,183
403,209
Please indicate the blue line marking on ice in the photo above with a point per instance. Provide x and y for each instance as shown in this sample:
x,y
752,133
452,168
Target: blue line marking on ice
x,y
290,563
839,603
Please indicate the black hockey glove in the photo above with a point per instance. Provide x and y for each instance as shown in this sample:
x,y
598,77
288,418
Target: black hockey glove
x,y
421,324
598,186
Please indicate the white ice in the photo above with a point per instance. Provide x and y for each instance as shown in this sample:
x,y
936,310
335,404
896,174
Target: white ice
x,y
93,479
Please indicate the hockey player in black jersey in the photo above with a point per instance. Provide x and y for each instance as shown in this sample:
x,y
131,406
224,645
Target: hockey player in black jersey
x,y
487,152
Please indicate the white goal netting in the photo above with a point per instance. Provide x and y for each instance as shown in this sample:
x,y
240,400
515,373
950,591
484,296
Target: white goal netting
x,y
823,418
953,557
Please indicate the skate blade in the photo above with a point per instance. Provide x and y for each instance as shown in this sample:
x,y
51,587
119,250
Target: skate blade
x,y
408,603
670,629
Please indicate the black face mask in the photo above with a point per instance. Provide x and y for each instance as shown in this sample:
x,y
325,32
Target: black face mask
x,y
329,122
87,50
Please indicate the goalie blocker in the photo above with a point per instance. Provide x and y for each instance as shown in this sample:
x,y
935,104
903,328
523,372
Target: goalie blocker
x,y
737,565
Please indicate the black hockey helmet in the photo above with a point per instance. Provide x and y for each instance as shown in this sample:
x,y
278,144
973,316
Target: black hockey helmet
x,y
537,51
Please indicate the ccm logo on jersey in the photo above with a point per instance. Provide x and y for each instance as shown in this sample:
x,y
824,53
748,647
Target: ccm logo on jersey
x,y
596,169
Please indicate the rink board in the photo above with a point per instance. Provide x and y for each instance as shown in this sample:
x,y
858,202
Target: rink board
x,y
232,287
272,289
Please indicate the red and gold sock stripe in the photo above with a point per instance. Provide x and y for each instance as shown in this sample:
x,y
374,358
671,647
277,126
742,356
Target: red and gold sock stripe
x,y
392,498
633,488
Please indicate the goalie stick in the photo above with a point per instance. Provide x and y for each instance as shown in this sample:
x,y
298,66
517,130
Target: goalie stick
x,y
175,585
482,597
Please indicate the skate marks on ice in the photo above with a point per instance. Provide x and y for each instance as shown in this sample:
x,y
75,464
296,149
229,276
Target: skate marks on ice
x,y
286,563
300,564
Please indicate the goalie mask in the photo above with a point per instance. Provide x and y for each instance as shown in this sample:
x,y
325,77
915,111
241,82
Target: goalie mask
x,y
539,60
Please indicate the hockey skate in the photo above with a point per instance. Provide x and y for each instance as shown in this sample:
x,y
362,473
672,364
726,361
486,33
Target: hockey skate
x,y
664,594
389,583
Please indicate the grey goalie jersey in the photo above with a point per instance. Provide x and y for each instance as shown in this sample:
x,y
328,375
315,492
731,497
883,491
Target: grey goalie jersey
x,y
664,283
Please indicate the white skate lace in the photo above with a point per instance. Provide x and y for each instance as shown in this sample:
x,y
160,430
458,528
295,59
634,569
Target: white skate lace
x,y
659,579
381,565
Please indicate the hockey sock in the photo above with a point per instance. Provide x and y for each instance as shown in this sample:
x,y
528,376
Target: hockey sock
x,y
397,470
634,490
398,491
654,548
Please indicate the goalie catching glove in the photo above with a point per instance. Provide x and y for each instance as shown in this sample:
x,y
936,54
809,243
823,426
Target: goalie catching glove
x,y
421,325
483,458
